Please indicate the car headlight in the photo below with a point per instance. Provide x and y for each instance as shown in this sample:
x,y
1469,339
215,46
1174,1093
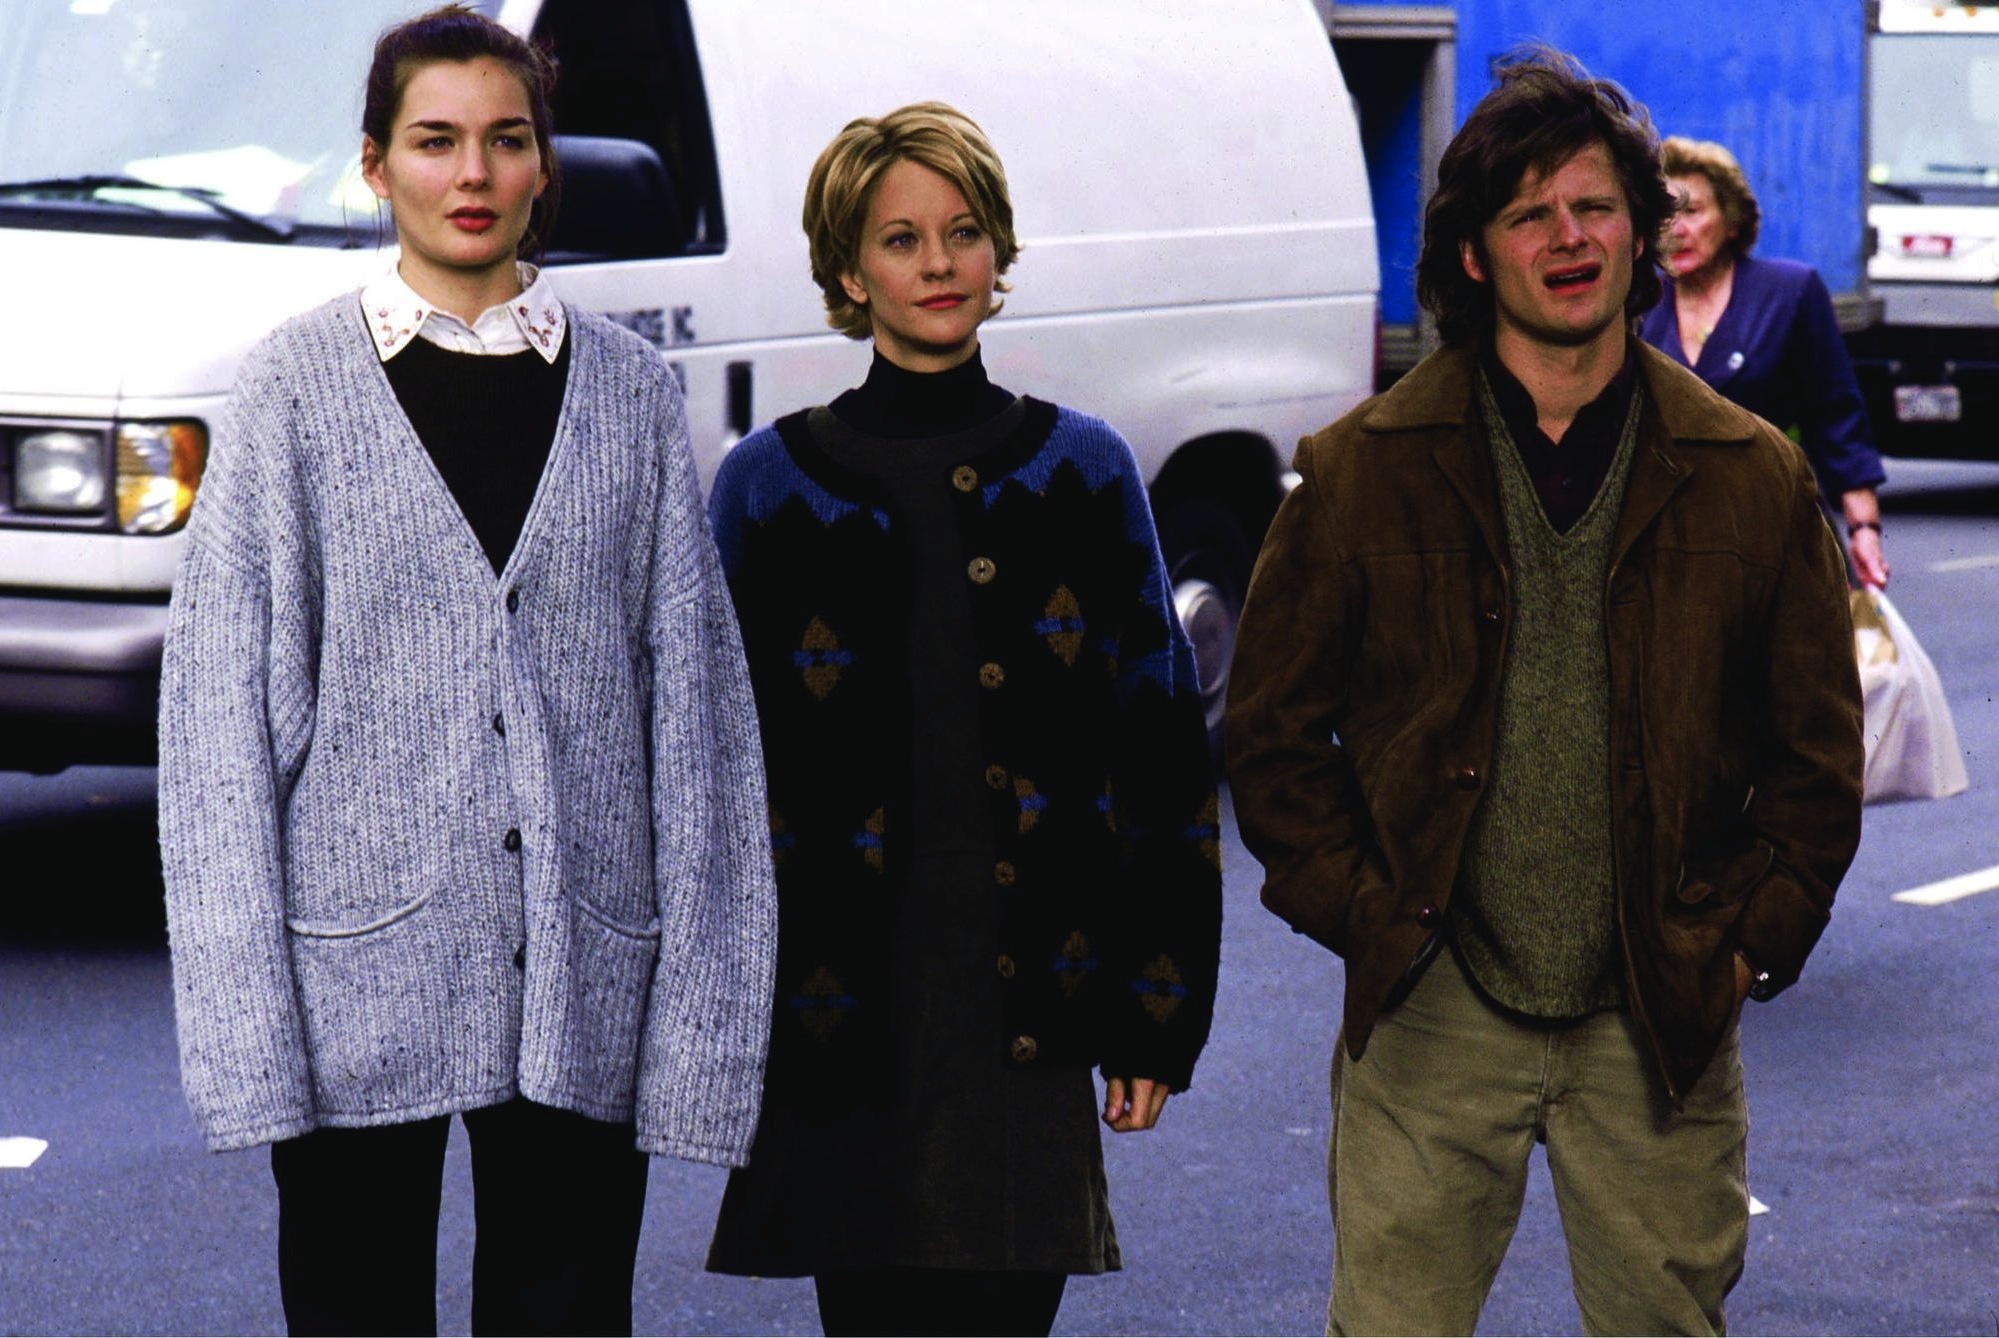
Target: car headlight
x,y
159,467
60,472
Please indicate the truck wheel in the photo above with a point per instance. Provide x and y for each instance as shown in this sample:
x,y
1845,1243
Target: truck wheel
x,y
1208,563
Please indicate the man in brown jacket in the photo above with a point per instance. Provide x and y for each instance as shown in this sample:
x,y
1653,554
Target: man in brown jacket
x,y
1544,717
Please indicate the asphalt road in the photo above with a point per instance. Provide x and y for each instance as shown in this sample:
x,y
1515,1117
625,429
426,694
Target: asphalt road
x,y
1874,1090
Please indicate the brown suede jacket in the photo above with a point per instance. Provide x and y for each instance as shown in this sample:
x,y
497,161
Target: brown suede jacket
x,y
1364,696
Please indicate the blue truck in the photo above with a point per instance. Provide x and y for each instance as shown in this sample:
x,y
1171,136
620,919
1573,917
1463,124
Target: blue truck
x,y
1870,132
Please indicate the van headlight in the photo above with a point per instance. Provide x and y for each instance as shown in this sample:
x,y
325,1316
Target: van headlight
x,y
136,477
159,467
59,472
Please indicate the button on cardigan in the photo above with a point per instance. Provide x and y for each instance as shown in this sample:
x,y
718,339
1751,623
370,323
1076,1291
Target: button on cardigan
x,y
384,906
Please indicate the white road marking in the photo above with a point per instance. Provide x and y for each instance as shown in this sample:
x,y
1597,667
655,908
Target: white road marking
x,y
1952,889
1757,1207
18,1154
1965,563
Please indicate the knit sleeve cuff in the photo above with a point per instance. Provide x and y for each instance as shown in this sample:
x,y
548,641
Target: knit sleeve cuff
x,y
249,1136
685,1149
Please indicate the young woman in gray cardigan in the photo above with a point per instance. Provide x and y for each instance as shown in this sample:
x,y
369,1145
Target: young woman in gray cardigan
x,y
461,799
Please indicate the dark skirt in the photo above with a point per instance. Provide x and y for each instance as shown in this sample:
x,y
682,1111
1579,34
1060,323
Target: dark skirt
x,y
966,1162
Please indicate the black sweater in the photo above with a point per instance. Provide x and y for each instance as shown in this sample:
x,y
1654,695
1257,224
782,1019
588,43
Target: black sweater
x,y
488,422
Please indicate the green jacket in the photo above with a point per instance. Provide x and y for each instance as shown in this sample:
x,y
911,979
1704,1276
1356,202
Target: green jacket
x,y
1362,700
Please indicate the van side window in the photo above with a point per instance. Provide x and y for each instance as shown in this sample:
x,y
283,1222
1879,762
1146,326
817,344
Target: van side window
x,y
629,71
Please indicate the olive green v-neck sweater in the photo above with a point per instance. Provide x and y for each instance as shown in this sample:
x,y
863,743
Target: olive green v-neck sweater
x,y
1535,910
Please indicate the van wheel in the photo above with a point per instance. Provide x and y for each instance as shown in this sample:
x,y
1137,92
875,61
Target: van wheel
x,y
1208,563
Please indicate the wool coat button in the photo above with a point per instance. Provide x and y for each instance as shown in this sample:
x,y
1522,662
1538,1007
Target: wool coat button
x,y
1490,615
513,839
1006,967
1428,917
991,675
1467,778
521,955
513,600
981,570
500,725
964,478
1023,1049
1003,873
996,777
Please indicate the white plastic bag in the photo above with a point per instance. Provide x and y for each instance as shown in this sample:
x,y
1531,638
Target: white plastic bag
x,y
1912,750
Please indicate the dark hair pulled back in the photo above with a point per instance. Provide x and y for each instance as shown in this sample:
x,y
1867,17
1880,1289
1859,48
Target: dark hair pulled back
x,y
1546,108
453,33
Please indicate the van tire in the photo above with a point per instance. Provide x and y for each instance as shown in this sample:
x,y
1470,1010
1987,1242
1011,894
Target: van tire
x,y
1207,565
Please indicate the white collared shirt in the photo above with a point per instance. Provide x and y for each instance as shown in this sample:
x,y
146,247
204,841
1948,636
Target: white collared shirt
x,y
533,320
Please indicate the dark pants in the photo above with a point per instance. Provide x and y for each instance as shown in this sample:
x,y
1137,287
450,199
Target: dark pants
x,y
557,1203
938,1301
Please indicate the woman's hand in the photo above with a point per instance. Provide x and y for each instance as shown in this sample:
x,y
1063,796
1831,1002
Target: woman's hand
x,y
1133,1104
1863,536
1868,562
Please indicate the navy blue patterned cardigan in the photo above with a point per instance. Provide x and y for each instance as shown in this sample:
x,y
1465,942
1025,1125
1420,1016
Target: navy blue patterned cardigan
x,y
1103,805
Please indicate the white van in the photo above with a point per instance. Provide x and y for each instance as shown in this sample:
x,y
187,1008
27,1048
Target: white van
x,y
177,176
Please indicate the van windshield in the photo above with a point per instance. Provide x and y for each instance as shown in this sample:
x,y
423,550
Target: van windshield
x,y
1934,115
189,111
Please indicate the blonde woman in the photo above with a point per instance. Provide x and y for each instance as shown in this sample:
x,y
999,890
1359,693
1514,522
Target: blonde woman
x,y
992,809
1763,333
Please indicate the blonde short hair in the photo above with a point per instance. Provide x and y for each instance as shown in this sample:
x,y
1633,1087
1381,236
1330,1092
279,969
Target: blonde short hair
x,y
1684,157
938,136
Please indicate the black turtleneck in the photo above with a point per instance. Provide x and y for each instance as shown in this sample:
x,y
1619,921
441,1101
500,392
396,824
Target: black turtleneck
x,y
901,404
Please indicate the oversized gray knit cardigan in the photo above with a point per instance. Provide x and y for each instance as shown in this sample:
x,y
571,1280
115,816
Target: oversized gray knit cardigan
x,y
434,838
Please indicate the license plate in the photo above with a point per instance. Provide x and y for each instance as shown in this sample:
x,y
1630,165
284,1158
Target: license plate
x,y
1928,404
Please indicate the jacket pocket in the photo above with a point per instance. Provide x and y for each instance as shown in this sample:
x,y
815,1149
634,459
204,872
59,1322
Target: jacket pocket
x,y
1725,881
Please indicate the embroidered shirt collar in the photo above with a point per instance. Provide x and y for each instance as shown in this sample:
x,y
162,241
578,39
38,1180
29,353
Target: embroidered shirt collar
x,y
396,314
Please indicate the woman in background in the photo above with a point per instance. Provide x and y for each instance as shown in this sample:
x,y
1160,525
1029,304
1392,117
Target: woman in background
x,y
992,806
460,801
1763,333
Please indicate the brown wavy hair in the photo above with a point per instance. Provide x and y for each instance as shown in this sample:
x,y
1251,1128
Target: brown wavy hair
x,y
1546,108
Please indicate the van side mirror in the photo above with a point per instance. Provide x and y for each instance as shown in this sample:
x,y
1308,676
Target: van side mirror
x,y
618,203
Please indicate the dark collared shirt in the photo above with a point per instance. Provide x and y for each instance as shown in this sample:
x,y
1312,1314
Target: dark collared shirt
x,y
1566,476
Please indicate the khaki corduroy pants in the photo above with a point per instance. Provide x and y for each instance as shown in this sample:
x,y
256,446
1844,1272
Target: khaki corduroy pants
x,y
1432,1130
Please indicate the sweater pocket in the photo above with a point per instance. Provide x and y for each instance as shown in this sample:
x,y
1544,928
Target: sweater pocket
x,y
402,1017
325,929
610,987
